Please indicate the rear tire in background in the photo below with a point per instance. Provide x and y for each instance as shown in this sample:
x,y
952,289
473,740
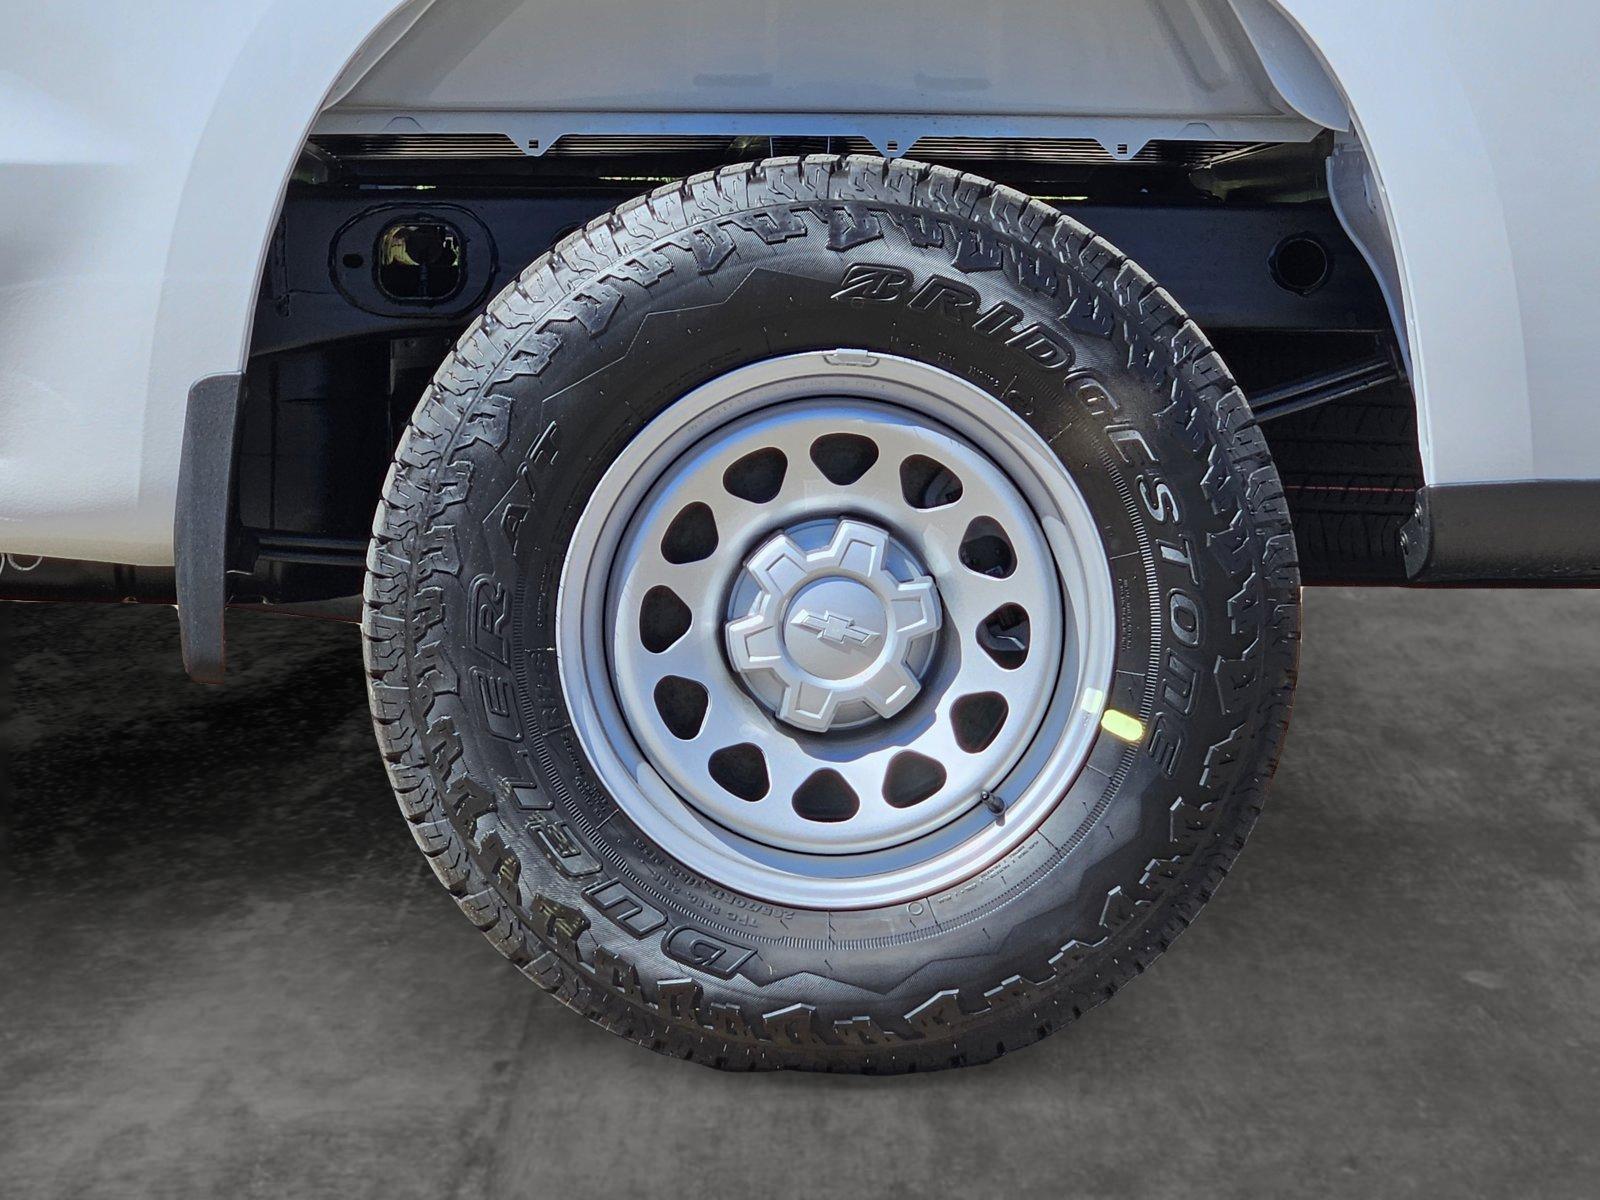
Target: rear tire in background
x,y
832,613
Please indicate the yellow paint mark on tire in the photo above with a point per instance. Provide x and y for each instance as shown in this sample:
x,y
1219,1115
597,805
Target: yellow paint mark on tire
x,y
1121,725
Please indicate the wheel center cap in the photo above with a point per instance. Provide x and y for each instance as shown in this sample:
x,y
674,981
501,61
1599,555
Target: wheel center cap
x,y
835,627
832,624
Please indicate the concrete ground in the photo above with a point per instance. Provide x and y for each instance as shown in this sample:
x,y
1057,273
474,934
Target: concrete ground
x,y
226,972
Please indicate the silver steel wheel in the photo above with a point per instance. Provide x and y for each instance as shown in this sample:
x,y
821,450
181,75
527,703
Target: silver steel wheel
x,y
836,630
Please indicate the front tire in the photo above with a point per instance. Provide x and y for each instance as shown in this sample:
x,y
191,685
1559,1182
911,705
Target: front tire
x,y
566,538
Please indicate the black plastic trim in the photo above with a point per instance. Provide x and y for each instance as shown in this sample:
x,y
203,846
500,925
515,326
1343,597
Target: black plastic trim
x,y
204,518
1527,532
1214,259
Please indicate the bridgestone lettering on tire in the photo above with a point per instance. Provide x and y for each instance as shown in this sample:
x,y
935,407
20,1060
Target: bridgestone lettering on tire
x,y
894,344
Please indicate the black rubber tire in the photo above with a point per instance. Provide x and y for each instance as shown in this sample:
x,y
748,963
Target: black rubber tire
x,y
693,280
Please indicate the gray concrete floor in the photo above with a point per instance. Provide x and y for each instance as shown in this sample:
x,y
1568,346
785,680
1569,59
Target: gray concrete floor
x,y
225,971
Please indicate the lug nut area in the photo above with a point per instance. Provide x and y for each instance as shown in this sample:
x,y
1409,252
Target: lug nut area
x,y
832,624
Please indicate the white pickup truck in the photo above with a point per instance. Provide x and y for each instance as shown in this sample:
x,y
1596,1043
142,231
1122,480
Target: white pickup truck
x,y
826,488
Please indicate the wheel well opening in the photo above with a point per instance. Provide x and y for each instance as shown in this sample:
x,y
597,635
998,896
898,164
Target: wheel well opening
x,y
1242,234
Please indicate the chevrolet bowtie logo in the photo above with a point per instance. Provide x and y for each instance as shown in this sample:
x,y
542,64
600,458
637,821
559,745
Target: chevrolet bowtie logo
x,y
831,627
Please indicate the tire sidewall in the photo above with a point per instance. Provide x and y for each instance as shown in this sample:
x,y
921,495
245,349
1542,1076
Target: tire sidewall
x,y
1124,390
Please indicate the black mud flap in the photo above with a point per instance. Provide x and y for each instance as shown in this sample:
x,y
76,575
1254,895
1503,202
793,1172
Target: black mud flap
x,y
204,517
